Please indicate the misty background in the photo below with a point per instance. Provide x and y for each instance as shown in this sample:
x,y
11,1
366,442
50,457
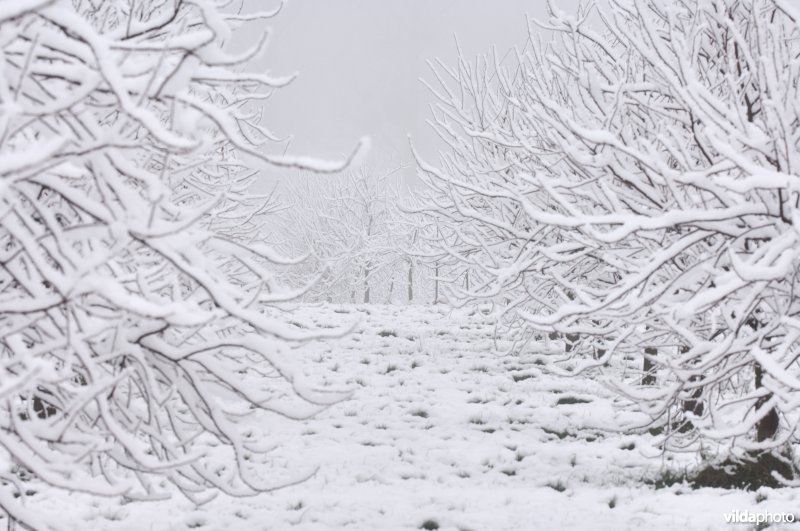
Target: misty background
x,y
360,64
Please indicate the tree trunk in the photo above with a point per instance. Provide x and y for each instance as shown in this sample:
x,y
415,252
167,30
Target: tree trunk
x,y
767,427
366,285
436,285
694,404
648,367
368,265
410,280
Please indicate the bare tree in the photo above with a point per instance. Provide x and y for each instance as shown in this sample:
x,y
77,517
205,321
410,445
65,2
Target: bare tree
x,y
134,290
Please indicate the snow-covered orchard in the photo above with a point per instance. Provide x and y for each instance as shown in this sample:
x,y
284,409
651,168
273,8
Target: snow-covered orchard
x,y
580,314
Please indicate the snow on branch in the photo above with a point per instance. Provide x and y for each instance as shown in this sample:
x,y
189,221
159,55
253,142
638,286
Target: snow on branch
x,y
633,189
135,288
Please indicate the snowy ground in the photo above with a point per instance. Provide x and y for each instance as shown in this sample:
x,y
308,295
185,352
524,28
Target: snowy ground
x,y
442,432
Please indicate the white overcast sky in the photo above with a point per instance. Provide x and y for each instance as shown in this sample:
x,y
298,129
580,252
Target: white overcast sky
x,y
360,62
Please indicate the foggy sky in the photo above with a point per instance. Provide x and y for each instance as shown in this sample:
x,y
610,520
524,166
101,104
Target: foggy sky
x,y
360,62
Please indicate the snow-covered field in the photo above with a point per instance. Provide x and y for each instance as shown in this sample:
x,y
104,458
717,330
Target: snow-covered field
x,y
441,432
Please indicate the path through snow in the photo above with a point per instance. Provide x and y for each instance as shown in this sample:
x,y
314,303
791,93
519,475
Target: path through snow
x,y
441,432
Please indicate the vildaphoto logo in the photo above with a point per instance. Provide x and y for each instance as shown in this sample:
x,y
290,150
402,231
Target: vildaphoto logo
x,y
749,517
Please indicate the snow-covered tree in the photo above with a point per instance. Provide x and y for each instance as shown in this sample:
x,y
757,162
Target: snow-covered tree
x,y
635,186
135,330
352,227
